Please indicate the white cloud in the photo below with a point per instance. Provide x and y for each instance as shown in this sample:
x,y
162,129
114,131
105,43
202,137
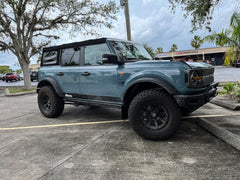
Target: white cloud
x,y
147,1
153,23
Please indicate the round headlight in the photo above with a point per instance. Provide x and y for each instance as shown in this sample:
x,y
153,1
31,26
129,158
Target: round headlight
x,y
193,78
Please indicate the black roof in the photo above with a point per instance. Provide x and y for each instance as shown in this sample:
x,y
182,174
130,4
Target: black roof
x,y
82,43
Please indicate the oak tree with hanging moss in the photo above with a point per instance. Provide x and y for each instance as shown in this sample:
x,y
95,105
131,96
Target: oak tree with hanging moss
x,y
200,11
26,26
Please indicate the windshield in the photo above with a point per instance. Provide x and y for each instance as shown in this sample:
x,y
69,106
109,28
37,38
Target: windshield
x,y
130,51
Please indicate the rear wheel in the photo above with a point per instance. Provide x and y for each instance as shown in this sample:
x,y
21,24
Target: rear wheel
x,y
154,114
49,103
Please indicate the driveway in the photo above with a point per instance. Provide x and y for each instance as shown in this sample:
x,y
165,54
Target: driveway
x,y
226,74
34,147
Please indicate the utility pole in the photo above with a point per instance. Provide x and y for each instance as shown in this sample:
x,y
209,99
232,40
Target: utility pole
x,y
127,18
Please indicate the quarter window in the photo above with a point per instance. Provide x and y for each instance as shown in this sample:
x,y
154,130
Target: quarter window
x,y
93,54
49,58
71,56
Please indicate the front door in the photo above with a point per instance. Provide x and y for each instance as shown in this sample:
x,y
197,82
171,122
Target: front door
x,y
98,81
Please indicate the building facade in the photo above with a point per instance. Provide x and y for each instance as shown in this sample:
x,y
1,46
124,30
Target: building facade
x,y
34,67
214,56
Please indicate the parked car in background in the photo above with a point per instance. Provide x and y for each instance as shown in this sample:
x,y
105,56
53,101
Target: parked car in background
x,y
236,63
10,76
34,75
21,76
1,76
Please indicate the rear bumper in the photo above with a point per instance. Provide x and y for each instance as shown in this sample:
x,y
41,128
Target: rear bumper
x,y
197,100
10,78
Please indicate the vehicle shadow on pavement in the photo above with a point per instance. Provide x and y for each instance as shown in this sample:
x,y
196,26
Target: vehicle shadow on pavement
x,y
89,113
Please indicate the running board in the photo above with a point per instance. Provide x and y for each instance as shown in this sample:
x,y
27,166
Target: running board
x,y
80,101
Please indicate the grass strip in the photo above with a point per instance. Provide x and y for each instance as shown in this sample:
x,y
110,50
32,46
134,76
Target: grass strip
x,y
17,90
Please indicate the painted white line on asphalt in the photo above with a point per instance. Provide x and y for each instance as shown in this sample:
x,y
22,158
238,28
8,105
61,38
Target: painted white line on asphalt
x,y
106,122
61,125
213,115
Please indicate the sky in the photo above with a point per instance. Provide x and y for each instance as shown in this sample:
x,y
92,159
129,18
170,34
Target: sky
x,y
152,22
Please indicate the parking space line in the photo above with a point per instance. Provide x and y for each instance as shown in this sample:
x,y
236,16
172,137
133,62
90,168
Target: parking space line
x,y
61,125
212,115
107,122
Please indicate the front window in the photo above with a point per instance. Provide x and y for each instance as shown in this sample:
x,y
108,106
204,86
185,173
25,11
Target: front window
x,y
93,54
130,51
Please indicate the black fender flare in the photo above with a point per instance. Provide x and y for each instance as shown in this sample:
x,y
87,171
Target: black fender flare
x,y
162,83
53,83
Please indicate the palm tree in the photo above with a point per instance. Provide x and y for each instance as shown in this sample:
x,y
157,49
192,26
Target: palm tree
x,y
229,37
173,48
159,50
220,39
196,42
235,37
149,49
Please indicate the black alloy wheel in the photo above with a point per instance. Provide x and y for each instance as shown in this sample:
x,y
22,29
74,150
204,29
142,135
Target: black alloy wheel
x,y
155,116
46,103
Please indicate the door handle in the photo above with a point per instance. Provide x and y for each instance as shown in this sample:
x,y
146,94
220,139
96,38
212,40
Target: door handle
x,y
60,74
86,74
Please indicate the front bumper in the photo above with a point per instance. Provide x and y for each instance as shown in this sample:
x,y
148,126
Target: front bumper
x,y
197,100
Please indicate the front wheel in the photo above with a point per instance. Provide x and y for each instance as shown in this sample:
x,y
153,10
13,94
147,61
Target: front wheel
x,y
154,114
49,103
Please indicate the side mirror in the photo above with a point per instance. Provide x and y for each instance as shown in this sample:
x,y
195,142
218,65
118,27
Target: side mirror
x,y
110,58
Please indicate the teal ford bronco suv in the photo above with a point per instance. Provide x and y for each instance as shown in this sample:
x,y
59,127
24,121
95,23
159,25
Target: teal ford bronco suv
x,y
152,94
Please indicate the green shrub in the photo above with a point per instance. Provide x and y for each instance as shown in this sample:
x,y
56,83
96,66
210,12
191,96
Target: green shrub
x,y
229,87
237,92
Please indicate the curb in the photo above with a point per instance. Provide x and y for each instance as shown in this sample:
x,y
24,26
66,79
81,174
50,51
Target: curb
x,y
8,94
220,132
228,105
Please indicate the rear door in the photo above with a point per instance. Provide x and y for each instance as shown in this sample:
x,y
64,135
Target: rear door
x,y
68,74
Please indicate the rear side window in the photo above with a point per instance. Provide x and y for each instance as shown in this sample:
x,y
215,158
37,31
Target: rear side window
x,y
71,56
49,58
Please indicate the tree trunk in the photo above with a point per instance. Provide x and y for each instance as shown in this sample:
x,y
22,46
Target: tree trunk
x,y
27,80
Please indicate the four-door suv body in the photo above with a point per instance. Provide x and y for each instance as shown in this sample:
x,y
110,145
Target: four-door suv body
x,y
116,73
10,76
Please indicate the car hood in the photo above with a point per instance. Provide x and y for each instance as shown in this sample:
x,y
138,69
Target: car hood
x,y
155,63
198,65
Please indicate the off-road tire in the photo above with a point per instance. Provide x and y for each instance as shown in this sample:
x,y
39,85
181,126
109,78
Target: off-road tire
x,y
49,103
161,105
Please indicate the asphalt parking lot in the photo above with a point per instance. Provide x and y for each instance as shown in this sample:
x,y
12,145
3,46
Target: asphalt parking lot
x,y
15,83
226,74
34,147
